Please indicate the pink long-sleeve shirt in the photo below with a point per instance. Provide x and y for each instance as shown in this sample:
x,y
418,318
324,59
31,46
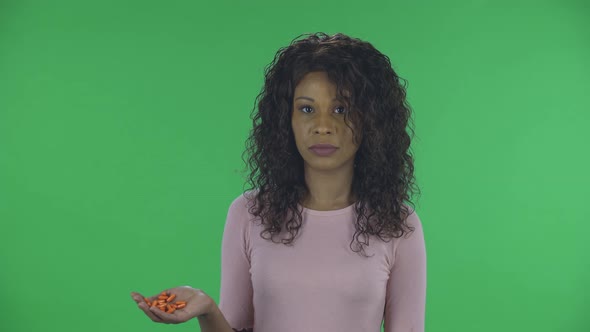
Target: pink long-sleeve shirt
x,y
319,283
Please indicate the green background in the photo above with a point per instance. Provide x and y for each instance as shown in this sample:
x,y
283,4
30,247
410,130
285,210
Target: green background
x,y
122,126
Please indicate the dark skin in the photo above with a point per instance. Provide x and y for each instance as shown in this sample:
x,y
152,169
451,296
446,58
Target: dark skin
x,y
318,118
198,304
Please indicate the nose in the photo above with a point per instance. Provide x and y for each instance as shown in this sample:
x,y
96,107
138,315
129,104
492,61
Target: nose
x,y
324,124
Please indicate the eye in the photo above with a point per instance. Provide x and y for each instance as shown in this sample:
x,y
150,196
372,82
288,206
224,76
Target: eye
x,y
343,109
304,107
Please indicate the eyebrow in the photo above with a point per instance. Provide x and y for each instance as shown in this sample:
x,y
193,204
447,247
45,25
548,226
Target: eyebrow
x,y
311,99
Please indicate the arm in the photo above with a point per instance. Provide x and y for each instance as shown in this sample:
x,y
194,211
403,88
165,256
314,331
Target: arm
x,y
214,321
235,299
406,289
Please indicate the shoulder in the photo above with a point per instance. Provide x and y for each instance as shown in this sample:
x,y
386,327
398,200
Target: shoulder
x,y
237,224
412,225
239,211
244,201
411,218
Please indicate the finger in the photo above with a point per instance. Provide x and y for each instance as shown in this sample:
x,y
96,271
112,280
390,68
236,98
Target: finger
x,y
164,316
181,315
136,297
144,307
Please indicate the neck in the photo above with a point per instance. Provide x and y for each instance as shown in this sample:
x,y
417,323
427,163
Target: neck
x,y
328,190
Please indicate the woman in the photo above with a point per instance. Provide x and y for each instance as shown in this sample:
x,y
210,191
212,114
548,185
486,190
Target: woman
x,y
330,160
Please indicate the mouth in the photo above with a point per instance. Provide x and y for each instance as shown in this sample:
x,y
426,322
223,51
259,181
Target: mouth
x,y
323,146
323,149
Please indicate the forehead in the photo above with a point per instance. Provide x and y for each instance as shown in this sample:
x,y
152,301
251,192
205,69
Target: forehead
x,y
315,82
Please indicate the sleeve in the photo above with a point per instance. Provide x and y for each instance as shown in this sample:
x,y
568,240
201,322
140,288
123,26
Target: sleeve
x,y
405,301
235,300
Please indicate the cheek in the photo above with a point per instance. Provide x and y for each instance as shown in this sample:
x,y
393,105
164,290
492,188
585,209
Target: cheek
x,y
352,138
350,134
297,134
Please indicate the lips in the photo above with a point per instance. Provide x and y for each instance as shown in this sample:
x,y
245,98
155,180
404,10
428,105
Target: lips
x,y
323,149
322,146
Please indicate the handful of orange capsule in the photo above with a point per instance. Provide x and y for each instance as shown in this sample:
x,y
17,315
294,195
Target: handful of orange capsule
x,y
164,302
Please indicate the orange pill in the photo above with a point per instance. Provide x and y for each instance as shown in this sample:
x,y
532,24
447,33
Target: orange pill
x,y
164,293
170,298
146,299
153,304
180,302
171,310
162,297
161,301
180,306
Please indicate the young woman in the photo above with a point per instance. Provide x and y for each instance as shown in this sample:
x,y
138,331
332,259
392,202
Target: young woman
x,y
330,161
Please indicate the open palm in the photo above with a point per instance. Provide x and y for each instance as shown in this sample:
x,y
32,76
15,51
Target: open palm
x,y
197,304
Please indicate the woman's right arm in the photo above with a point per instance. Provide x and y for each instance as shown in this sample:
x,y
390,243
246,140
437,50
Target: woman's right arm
x,y
214,321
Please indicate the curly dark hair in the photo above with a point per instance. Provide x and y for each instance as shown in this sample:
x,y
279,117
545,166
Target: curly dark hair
x,y
383,177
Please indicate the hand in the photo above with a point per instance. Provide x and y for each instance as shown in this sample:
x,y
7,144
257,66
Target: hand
x,y
197,304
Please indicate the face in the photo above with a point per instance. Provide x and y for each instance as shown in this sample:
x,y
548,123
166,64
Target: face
x,y
318,118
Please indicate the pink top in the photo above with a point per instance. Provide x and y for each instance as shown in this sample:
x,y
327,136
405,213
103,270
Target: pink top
x,y
319,283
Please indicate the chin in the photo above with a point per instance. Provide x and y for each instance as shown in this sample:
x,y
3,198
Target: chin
x,y
325,165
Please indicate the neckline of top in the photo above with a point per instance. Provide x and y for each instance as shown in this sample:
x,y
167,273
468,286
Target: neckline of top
x,y
343,210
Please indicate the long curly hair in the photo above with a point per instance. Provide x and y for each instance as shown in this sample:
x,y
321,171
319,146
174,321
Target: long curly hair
x,y
383,177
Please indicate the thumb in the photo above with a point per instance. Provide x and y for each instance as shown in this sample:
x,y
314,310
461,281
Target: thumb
x,y
136,297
